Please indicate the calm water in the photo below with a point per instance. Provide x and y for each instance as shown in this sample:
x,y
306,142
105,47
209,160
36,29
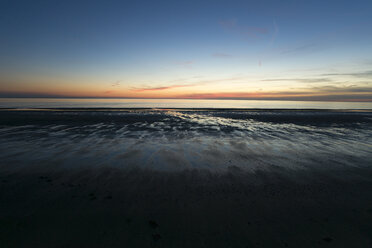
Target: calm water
x,y
174,103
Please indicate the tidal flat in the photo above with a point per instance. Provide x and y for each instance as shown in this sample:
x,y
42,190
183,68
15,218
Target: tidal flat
x,y
185,178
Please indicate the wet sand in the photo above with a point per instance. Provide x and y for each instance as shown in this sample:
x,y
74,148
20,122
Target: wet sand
x,y
309,199
109,207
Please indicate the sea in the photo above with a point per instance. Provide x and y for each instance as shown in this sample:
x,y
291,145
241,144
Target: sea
x,y
174,103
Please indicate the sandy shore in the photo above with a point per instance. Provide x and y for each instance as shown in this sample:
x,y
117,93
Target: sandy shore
x,y
109,207
159,178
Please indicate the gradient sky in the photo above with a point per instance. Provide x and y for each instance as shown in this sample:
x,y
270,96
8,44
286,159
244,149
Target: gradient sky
x,y
290,50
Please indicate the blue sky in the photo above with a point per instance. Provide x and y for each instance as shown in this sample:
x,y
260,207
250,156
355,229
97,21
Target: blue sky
x,y
311,50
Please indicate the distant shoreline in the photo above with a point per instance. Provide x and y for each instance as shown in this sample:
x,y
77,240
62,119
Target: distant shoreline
x,y
77,109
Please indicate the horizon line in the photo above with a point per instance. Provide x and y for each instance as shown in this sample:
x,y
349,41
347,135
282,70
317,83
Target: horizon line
x,y
294,99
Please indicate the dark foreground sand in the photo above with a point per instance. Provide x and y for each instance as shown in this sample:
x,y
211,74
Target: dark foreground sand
x,y
110,207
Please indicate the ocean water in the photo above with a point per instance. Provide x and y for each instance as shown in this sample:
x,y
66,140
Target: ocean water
x,y
174,103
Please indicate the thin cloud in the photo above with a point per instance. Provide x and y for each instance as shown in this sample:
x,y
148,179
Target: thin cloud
x,y
227,80
222,55
346,89
247,95
307,47
362,74
290,96
367,61
117,83
245,31
187,64
173,86
162,87
322,78
302,80
324,93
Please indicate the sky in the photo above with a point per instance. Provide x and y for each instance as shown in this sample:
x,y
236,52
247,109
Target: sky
x,y
269,50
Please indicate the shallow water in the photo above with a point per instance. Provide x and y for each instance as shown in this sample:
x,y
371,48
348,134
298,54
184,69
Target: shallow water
x,y
174,103
186,139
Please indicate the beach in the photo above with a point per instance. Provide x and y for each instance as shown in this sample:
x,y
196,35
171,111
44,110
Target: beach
x,y
185,124
185,178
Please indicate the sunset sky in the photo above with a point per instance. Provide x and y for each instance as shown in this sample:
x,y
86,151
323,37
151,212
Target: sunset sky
x,y
279,50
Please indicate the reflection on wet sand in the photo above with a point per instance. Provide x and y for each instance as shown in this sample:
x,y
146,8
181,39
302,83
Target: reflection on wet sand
x,y
185,178
177,140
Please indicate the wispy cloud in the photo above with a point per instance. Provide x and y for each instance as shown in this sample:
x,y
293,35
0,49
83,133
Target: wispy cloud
x,y
191,84
245,31
289,96
163,87
222,55
303,48
187,63
366,61
362,74
346,89
302,80
113,85
117,83
324,78
323,93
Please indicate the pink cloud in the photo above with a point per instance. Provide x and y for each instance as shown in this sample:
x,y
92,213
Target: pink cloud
x,y
163,87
